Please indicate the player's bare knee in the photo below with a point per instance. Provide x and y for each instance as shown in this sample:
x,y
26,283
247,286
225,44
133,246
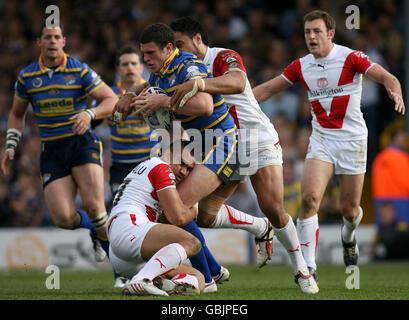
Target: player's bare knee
x,y
66,222
192,246
349,210
310,201
205,220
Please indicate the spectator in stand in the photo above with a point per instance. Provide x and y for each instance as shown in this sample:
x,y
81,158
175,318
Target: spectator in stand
x,y
392,239
390,182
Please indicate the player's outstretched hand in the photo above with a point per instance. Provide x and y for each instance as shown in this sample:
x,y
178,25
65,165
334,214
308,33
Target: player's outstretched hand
x,y
399,104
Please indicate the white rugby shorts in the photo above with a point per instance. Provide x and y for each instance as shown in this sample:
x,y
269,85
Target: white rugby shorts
x,y
348,157
251,159
126,233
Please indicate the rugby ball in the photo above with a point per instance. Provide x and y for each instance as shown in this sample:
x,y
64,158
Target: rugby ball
x,y
161,118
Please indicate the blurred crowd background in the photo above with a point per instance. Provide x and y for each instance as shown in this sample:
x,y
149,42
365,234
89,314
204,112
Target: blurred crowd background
x,y
267,34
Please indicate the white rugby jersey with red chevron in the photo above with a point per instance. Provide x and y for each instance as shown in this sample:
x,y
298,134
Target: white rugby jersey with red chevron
x,y
137,195
243,106
334,86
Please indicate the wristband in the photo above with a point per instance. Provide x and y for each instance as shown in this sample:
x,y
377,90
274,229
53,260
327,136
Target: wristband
x,y
13,138
130,92
203,85
91,113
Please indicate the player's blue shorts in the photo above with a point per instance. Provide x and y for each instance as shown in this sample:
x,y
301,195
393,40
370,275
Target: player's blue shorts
x,y
118,172
58,157
220,155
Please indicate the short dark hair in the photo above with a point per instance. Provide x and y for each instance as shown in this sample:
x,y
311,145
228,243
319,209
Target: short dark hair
x,y
43,25
158,33
190,27
127,50
325,16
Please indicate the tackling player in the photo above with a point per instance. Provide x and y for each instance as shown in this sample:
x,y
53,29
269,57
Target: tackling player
x,y
142,249
265,152
56,86
332,75
169,68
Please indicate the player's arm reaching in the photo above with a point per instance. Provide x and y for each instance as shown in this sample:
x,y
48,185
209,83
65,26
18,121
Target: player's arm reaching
x,y
391,84
14,132
106,101
230,83
269,88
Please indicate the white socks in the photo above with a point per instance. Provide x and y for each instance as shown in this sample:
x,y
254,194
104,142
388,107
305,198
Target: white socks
x,y
229,217
348,229
308,232
163,261
289,239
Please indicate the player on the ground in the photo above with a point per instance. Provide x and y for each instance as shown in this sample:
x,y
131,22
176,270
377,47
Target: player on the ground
x,y
56,86
203,113
229,79
143,249
130,139
332,75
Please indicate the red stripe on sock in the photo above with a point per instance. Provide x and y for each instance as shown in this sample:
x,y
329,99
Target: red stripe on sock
x,y
233,219
317,234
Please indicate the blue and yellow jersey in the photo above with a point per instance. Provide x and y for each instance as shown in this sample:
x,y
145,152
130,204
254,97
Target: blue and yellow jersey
x,y
180,67
56,95
130,139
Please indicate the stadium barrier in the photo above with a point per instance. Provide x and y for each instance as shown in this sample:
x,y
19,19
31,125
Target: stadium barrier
x,y
37,248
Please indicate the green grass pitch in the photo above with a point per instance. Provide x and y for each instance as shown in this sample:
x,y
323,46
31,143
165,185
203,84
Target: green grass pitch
x,y
377,282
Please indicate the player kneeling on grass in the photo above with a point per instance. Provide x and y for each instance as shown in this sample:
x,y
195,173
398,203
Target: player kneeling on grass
x,y
143,249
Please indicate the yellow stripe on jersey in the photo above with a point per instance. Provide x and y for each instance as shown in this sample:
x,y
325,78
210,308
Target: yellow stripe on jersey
x,y
71,69
188,119
56,125
57,114
19,98
218,104
216,122
97,87
130,140
131,151
83,73
57,137
228,156
55,86
35,73
211,151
